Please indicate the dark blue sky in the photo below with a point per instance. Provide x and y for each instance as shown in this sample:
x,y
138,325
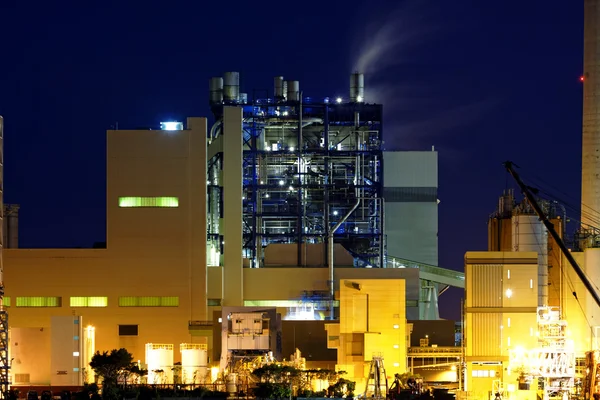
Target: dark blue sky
x,y
482,81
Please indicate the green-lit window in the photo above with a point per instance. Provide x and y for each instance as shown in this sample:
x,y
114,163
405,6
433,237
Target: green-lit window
x,y
149,301
88,301
39,302
6,301
213,302
148,201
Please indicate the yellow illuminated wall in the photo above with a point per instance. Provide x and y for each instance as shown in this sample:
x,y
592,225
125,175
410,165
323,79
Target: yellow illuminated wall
x,y
152,275
500,314
372,322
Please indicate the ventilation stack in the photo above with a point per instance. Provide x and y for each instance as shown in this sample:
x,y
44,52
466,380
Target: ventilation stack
x,y
357,88
590,156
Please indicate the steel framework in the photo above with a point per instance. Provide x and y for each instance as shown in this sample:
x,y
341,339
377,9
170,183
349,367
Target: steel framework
x,y
305,165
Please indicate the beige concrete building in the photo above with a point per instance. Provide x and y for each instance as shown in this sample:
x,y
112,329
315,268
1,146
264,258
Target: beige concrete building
x,y
157,281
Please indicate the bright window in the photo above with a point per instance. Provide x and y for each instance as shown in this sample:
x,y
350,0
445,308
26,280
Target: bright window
x,y
39,302
6,301
149,202
149,301
88,301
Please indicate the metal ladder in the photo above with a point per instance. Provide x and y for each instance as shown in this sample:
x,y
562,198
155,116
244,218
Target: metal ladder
x,y
377,384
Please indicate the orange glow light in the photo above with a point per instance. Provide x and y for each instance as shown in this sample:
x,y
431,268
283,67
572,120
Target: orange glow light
x,y
582,78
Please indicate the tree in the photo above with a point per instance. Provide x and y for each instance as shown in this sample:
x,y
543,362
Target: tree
x,y
110,366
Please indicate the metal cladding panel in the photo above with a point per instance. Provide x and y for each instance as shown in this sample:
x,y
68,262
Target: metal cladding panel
x,y
486,285
410,169
486,334
590,172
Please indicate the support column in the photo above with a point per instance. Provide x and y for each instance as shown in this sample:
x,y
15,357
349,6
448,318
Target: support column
x,y
233,280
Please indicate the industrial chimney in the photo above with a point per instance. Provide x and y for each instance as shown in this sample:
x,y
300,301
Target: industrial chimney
x,y
590,155
357,88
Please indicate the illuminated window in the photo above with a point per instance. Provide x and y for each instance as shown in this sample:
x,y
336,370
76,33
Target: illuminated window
x,y
149,301
508,274
213,302
508,322
129,202
88,301
6,301
39,302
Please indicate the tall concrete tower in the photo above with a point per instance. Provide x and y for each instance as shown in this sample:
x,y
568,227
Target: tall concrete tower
x,y
590,156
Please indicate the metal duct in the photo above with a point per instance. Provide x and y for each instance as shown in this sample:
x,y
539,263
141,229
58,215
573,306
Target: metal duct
x,y
279,88
293,90
231,87
216,90
357,88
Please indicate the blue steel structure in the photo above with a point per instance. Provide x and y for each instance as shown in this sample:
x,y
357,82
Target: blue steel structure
x,y
306,164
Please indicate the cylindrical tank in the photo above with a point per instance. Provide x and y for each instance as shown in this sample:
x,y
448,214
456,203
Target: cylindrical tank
x,y
357,87
231,87
279,89
293,90
159,357
216,90
529,234
194,362
243,98
232,383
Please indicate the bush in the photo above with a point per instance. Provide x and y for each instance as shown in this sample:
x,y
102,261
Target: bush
x,y
272,391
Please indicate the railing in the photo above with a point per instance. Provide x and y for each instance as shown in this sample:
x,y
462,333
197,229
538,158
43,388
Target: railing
x,y
198,324
395,262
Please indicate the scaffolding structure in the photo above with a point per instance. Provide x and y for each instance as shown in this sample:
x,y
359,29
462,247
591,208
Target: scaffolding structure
x,y
306,165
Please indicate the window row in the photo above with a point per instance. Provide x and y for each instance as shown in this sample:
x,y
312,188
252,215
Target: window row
x,y
135,202
94,301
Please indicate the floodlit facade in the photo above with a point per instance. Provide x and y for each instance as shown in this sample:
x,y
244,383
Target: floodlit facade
x,y
372,324
185,238
500,317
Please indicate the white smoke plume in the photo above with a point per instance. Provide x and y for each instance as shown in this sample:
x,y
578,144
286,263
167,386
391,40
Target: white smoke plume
x,y
391,51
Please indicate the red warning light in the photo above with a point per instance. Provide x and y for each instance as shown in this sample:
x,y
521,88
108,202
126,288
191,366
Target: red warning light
x,y
582,78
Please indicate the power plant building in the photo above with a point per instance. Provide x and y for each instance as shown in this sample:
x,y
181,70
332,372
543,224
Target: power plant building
x,y
271,207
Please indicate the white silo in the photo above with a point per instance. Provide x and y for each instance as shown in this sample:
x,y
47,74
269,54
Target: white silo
x,y
194,362
529,234
159,359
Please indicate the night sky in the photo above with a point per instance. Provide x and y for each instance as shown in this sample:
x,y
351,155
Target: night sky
x,y
482,81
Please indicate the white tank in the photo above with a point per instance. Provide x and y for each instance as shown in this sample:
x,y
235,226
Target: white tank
x,y
159,361
194,362
280,88
293,90
231,87
232,383
529,234
216,90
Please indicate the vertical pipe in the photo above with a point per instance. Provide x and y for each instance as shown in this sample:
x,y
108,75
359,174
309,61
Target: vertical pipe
x,y
300,223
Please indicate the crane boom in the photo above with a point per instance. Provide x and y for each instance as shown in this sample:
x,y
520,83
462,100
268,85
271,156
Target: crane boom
x,y
550,227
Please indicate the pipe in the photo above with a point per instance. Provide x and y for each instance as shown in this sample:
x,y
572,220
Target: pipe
x,y
331,232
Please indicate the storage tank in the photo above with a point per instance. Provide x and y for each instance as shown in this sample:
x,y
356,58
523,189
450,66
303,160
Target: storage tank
x,y
357,87
159,357
529,234
194,362
231,87
279,88
216,90
293,90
